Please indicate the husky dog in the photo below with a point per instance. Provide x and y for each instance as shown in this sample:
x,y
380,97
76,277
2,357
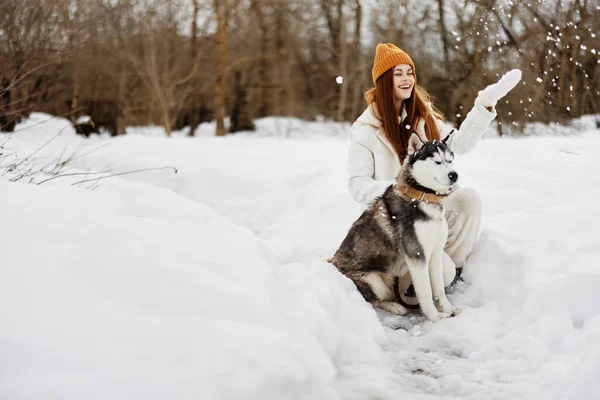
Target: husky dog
x,y
404,232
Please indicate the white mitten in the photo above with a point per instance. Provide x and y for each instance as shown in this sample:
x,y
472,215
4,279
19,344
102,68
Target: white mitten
x,y
489,96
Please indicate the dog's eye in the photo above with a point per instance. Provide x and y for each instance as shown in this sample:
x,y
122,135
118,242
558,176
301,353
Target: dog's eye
x,y
438,162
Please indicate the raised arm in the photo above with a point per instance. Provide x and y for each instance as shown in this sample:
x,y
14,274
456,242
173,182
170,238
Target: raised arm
x,y
483,113
472,128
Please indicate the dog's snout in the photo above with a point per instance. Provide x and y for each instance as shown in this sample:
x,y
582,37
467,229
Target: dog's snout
x,y
453,176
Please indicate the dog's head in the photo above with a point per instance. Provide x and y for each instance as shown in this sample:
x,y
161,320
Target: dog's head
x,y
430,164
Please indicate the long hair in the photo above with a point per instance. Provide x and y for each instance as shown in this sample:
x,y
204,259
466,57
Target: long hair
x,y
418,107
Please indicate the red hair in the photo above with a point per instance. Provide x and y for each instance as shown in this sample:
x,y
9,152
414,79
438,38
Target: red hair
x,y
418,107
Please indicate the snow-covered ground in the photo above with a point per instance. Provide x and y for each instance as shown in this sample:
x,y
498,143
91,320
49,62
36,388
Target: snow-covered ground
x,y
211,283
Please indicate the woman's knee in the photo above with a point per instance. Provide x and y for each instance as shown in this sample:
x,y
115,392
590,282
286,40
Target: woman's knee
x,y
465,200
464,224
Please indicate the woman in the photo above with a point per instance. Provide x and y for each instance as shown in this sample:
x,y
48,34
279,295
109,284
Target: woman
x,y
397,107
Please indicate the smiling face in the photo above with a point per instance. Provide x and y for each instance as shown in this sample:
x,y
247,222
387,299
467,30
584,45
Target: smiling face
x,y
404,82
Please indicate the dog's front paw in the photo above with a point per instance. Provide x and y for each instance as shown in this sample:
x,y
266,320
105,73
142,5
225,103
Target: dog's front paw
x,y
393,307
447,308
431,313
437,316
449,314
455,311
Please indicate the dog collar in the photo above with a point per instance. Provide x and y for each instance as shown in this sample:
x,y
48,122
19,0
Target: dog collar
x,y
419,195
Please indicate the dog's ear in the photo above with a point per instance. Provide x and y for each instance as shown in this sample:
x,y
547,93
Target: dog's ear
x,y
414,143
445,140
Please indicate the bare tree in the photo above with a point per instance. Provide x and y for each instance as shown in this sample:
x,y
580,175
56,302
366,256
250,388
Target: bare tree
x,y
258,9
359,60
194,56
221,14
444,33
27,30
180,62
153,54
72,21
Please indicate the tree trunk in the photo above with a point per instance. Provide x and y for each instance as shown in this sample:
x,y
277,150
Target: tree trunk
x,y
240,116
343,71
333,10
443,34
75,89
360,62
194,38
282,81
193,112
221,14
166,120
262,75
6,120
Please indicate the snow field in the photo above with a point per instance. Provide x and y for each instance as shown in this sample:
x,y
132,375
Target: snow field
x,y
211,283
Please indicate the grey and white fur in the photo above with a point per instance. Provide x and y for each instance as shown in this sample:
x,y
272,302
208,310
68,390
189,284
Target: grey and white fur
x,y
400,237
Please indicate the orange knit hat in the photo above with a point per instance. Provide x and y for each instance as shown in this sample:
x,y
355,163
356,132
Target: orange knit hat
x,y
387,56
